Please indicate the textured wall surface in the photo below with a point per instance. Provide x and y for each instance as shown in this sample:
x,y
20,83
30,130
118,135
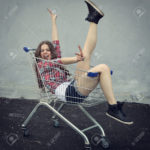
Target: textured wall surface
x,y
123,42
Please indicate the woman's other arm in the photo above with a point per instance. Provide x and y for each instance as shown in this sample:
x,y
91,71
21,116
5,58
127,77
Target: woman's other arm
x,y
70,60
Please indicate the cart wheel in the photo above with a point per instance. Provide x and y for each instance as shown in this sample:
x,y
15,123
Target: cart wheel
x,y
25,132
56,123
87,147
104,143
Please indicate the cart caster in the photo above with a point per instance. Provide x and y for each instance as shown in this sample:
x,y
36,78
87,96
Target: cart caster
x,y
104,143
87,147
97,139
25,132
56,123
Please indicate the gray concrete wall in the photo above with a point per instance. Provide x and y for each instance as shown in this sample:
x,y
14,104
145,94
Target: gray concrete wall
x,y
123,42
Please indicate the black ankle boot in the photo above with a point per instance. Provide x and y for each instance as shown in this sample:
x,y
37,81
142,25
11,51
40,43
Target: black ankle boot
x,y
95,14
120,105
115,112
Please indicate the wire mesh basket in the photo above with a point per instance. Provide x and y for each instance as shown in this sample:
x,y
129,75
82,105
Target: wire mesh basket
x,y
51,73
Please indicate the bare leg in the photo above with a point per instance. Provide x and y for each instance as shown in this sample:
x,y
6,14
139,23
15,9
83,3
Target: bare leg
x,y
105,82
89,46
84,66
95,14
86,84
104,78
114,108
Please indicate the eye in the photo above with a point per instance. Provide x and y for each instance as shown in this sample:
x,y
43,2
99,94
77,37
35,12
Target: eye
x,y
47,50
42,50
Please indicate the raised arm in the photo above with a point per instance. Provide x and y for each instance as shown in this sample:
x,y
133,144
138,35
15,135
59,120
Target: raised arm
x,y
55,39
54,26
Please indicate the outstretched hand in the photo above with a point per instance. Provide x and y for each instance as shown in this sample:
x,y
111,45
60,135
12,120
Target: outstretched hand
x,y
53,16
80,56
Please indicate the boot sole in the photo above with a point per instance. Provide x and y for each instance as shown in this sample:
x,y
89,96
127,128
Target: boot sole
x,y
128,123
95,7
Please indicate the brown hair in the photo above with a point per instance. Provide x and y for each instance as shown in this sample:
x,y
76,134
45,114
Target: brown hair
x,y
38,54
53,56
51,48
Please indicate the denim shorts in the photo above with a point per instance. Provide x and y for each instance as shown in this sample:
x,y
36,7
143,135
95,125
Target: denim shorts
x,y
73,95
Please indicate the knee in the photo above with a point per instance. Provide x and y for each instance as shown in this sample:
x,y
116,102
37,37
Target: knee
x,y
104,68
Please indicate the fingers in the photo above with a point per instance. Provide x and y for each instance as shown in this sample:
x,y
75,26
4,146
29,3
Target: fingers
x,y
49,11
80,56
77,54
80,50
53,15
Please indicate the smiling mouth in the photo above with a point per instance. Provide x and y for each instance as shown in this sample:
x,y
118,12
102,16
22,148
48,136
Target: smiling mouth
x,y
46,56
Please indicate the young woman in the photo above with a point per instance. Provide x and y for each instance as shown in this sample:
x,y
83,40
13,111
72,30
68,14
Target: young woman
x,y
58,78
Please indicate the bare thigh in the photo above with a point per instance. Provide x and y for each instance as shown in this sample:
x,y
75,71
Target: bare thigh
x,y
87,84
84,83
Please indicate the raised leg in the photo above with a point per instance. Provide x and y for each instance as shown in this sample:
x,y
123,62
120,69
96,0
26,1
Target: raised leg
x,y
89,46
95,14
86,84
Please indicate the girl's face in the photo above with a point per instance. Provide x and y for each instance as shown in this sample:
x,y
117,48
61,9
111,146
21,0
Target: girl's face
x,y
45,52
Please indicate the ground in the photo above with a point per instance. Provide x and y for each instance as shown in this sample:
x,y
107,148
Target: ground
x,y
44,136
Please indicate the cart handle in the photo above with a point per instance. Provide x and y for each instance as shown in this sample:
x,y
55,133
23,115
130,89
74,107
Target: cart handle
x,y
26,49
95,74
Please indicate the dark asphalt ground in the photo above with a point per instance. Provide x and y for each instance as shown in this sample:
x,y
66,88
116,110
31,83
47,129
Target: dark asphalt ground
x,y
43,136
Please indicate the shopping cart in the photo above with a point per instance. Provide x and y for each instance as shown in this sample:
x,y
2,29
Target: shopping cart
x,y
49,99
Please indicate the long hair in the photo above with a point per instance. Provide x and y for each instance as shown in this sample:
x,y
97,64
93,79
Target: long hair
x,y
51,49
53,56
38,55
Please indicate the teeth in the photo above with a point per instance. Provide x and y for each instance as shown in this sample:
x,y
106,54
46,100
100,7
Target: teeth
x,y
46,56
